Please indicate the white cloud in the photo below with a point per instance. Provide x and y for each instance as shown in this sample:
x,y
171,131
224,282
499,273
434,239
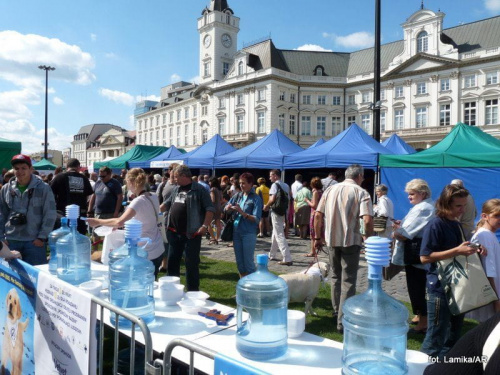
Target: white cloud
x,y
149,97
131,121
175,78
360,39
492,5
312,47
125,98
58,101
110,55
93,37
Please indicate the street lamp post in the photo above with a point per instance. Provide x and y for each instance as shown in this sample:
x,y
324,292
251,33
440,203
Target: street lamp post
x,y
376,75
46,68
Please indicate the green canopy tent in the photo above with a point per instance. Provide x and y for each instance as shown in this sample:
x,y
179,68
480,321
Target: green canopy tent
x,y
138,153
8,149
44,165
466,153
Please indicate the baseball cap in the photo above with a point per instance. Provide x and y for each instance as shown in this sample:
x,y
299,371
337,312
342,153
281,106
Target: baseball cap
x,y
20,159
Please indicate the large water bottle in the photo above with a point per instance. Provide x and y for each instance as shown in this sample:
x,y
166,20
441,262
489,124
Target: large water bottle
x,y
265,297
375,324
131,280
73,251
123,251
53,237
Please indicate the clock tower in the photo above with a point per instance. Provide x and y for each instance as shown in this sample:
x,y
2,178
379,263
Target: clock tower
x,y
218,28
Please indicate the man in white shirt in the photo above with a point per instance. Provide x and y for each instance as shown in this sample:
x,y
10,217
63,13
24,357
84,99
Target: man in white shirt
x,y
329,181
278,221
296,186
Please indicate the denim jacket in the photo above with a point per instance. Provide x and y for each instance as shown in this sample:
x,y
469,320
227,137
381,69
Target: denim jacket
x,y
41,213
252,206
198,202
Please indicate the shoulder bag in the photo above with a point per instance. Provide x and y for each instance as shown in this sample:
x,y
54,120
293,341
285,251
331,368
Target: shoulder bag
x,y
160,223
411,254
464,282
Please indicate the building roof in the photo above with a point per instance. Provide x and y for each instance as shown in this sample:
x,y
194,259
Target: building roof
x,y
95,130
476,35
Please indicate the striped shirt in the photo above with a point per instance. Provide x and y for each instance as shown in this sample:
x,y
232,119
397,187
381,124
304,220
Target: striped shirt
x,y
343,204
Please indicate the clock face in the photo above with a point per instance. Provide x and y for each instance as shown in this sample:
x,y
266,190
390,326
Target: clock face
x,y
226,40
207,41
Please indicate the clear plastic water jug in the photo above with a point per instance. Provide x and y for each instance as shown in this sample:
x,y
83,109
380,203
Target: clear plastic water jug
x,y
73,251
264,296
375,324
53,237
123,251
131,280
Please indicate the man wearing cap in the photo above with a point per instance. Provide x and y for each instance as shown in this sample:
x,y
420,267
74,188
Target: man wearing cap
x,y
27,212
72,187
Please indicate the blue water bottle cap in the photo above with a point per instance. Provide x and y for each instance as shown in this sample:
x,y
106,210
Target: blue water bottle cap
x,y
133,229
262,259
64,220
72,212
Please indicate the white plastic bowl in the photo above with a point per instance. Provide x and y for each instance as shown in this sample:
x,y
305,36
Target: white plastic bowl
x,y
197,295
191,306
93,287
296,323
171,294
168,280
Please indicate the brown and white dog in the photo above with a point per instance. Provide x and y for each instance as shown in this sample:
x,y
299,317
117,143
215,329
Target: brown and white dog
x,y
13,340
304,287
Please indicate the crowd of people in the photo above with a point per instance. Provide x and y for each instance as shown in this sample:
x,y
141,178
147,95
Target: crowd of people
x,y
326,212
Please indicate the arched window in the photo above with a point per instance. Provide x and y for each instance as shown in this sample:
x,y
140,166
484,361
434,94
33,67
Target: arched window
x,y
228,18
240,68
422,42
318,71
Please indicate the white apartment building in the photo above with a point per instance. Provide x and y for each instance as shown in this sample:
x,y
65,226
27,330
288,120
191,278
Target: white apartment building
x,y
430,80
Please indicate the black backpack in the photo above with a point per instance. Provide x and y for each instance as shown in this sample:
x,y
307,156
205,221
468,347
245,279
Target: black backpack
x,y
280,204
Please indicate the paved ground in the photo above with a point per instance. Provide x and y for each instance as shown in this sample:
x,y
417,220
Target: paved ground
x,y
298,247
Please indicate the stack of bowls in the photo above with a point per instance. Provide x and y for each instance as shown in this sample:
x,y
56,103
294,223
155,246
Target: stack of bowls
x,y
171,291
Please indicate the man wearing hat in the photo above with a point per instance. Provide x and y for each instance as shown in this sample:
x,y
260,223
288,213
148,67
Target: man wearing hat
x,y
27,212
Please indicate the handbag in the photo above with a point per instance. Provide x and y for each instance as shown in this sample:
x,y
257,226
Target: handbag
x,y
411,254
391,270
160,222
227,232
379,223
464,282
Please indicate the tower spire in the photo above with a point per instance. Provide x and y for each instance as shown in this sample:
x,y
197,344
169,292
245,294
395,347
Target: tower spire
x,y
422,4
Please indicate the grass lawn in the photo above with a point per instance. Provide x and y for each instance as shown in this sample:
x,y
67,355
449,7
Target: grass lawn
x,y
219,278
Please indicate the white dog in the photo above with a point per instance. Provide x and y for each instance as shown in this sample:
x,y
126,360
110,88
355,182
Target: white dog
x,y
304,287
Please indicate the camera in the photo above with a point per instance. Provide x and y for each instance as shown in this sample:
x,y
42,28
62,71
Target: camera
x,y
474,245
18,219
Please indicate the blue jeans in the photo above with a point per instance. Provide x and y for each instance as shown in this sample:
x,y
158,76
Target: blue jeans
x,y
244,247
31,254
178,245
443,328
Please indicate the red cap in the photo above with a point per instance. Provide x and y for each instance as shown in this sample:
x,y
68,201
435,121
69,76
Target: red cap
x,y
21,159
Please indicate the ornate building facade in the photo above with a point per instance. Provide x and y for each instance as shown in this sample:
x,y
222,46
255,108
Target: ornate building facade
x,y
430,80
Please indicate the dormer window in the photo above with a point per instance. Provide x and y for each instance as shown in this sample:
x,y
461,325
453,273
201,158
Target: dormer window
x,y
318,71
228,17
240,68
422,41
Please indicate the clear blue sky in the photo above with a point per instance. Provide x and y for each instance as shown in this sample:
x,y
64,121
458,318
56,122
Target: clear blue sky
x,y
109,53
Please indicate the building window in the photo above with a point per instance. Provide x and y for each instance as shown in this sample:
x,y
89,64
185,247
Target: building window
x,y
421,88
240,124
204,135
145,123
399,119
321,125
178,135
164,119
206,69
164,135
336,100
282,96
171,136
351,120
382,121
171,117
421,117
281,122
399,92
291,125
491,113
445,84
261,95
470,113
222,102
444,114
261,122
178,115
318,71
140,138
305,125
222,126
138,127
366,123
492,78
336,125
186,113
204,110
240,68
195,138
186,132
422,42
157,120
365,97
351,100
321,99
239,99
382,94
292,98
470,81
225,68
306,99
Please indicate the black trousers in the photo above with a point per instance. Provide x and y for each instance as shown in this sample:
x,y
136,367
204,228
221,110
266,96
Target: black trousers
x,y
416,279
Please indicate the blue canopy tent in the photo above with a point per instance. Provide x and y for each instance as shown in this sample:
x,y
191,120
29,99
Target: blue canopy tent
x,y
351,146
203,157
158,161
317,143
398,147
266,153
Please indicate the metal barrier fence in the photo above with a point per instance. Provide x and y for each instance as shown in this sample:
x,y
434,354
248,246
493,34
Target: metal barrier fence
x,y
193,348
149,368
